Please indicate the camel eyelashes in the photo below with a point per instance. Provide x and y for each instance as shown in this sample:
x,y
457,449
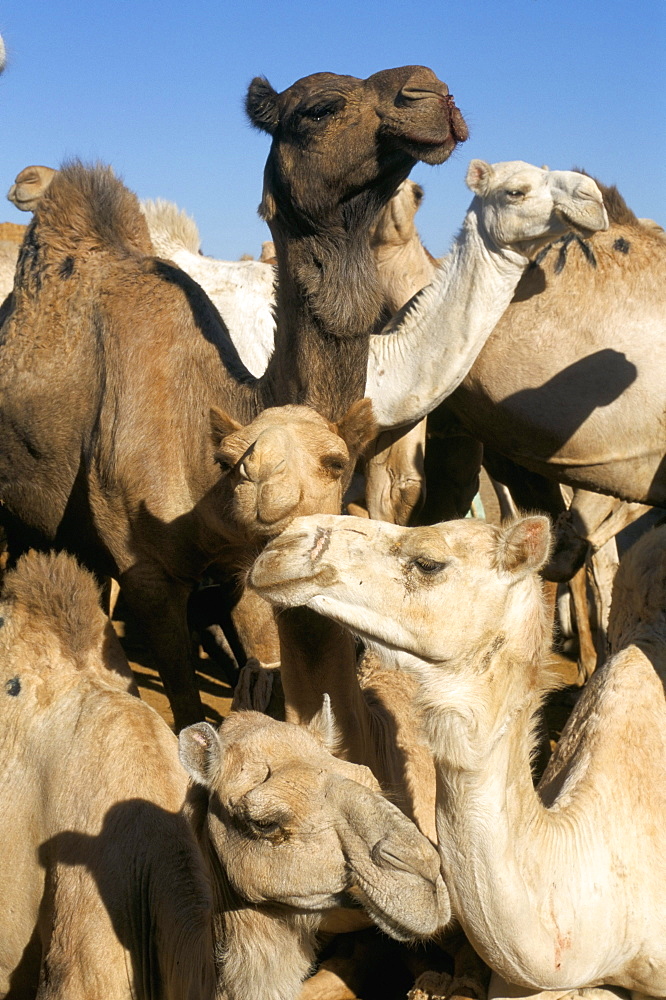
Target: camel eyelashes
x,y
334,463
319,111
428,566
515,194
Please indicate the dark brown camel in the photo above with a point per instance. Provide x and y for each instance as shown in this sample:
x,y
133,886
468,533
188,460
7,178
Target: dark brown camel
x,y
110,359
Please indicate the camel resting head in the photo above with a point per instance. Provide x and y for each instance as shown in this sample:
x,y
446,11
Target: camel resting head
x,y
288,462
522,207
295,826
440,593
29,187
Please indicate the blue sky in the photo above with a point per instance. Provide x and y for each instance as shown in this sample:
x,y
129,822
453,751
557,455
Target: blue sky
x,y
156,89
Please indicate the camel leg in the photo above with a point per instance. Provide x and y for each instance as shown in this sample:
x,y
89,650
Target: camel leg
x,y
587,653
159,605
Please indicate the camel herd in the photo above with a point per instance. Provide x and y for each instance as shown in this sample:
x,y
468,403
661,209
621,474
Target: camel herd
x,y
303,435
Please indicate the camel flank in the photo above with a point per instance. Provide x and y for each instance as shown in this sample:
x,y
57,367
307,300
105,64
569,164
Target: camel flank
x,y
558,888
143,339
120,831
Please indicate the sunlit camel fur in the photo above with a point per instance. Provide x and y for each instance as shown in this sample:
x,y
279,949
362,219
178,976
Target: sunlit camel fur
x,y
93,465
95,829
303,832
559,888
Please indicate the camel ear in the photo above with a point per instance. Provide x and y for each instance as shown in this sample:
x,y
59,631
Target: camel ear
x,y
199,752
358,427
221,424
324,727
524,546
478,177
261,105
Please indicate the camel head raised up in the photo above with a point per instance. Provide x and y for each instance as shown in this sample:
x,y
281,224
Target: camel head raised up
x,y
29,186
523,207
342,141
295,826
289,461
436,592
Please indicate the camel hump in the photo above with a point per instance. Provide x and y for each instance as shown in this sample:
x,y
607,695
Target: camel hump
x,y
57,596
88,208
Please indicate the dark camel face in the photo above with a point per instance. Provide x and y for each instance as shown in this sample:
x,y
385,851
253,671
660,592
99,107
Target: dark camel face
x,y
337,139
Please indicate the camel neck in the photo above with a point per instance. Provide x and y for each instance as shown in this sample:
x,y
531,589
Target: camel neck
x,y
318,657
448,323
328,303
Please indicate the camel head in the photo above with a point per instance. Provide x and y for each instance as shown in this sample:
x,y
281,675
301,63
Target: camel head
x,y
523,208
344,143
29,186
3,55
289,461
442,593
295,826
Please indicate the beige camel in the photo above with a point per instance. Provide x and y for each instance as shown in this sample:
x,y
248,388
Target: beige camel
x,y
102,473
96,828
579,400
320,832
560,888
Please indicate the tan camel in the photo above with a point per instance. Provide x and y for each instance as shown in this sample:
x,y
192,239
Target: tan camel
x,y
560,888
254,777
96,827
102,473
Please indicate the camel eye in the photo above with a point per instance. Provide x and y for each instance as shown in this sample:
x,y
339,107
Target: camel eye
x,y
225,464
430,567
515,194
319,111
334,464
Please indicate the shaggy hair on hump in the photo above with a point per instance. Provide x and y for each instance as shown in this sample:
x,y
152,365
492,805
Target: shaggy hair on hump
x,y
89,209
58,595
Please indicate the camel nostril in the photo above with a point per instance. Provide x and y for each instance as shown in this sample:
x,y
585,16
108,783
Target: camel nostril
x,y
413,93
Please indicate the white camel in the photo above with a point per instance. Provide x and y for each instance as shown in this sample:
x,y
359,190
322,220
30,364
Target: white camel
x,y
242,290
560,888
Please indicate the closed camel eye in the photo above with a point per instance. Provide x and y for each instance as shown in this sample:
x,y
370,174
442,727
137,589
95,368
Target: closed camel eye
x,y
430,567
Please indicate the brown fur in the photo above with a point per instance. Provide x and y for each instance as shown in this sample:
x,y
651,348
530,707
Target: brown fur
x,y
102,340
